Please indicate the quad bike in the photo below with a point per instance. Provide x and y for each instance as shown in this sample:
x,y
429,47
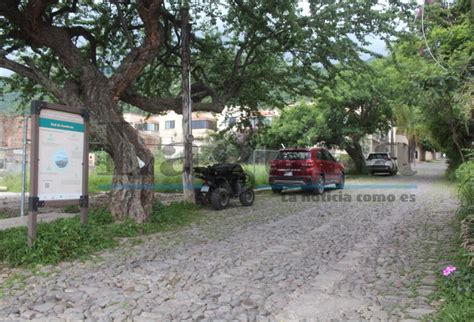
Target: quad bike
x,y
222,182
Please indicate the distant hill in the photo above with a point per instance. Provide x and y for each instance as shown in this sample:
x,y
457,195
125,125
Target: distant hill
x,y
8,100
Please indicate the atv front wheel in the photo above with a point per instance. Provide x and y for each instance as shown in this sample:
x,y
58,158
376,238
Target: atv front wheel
x,y
247,197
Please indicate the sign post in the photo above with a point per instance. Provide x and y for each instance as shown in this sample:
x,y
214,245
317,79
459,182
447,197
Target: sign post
x,y
59,160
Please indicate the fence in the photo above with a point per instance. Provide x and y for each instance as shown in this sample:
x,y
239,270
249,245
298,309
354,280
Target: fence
x,y
10,160
257,162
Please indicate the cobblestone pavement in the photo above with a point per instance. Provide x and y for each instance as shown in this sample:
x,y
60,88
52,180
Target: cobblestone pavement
x,y
278,260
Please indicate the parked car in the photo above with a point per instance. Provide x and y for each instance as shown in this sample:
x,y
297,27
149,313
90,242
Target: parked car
x,y
309,168
381,162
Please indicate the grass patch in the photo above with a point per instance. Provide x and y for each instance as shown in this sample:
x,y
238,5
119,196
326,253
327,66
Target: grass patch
x,y
13,182
260,175
66,239
456,291
168,178
72,209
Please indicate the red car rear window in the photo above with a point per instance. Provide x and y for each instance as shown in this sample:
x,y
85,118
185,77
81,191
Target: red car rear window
x,y
293,155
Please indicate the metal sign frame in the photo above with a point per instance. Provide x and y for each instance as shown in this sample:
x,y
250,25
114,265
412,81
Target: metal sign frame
x,y
33,201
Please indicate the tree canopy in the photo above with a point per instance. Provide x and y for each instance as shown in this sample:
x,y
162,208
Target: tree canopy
x,y
103,54
434,60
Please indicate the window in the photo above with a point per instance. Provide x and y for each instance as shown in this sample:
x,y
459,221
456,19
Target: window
x,y
320,155
267,120
203,124
254,122
152,127
231,121
329,156
293,155
378,156
169,125
140,126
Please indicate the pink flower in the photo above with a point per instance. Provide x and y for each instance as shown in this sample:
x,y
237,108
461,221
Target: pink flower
x,y
448,270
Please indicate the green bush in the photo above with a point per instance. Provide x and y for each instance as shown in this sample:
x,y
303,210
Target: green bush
x,y
66,239
260,175
346,160
465,177
457,290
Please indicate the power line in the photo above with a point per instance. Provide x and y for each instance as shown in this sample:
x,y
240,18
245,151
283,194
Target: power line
x,y
426,41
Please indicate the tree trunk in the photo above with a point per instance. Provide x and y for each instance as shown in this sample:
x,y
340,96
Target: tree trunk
x,y
188,189
357,156
133,180
132,190
454,136
411,148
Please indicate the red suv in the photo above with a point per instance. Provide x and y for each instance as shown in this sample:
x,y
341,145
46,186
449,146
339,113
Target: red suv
x,y
310,169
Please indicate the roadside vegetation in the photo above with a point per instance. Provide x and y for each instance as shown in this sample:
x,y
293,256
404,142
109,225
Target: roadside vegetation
x,y
456,290
66,239
164,182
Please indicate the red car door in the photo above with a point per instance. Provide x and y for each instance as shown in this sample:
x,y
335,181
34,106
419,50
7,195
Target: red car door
x,y
334,167
323,164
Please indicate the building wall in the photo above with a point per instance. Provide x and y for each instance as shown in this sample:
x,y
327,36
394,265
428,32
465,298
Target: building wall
x,y
11,143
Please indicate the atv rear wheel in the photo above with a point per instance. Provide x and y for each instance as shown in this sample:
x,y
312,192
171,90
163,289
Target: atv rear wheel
x,y
199,198
220,198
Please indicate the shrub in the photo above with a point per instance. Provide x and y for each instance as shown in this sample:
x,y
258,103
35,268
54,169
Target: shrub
x,y
465,177
66,239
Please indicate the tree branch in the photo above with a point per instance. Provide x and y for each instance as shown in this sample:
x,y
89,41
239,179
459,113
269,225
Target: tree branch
x,y
32,73
159,104
65,9
81,31
122,21
138,58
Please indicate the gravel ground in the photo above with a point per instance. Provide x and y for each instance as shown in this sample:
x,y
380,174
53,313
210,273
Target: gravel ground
x,y
285,258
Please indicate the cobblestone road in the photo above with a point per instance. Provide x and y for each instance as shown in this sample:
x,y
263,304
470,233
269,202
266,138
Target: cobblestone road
x,y
285,258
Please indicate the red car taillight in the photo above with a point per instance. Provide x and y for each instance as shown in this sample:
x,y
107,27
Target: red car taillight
x,y
272,168
309,165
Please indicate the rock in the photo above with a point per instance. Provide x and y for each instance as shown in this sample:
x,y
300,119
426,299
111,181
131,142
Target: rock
x,y
28,314
223,310
198,314
151,315
224,299
418,313
184,296
248,304
45,307
429,280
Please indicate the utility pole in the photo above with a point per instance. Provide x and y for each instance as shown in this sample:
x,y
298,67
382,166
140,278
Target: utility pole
x,y
188,188
23,165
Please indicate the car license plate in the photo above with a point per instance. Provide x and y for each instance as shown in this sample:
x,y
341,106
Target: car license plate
x,y
205,189
288,173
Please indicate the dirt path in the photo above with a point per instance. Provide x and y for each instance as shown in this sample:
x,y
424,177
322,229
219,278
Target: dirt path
x,y
285,258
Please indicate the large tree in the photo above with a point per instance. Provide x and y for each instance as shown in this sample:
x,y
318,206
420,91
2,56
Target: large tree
x,y
343,112
101,55
434,60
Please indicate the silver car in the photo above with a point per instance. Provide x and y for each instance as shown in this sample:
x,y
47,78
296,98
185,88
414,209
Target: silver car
x,y
381,162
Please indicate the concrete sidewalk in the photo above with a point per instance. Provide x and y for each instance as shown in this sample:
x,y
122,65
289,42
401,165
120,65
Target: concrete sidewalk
x,y
19,221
